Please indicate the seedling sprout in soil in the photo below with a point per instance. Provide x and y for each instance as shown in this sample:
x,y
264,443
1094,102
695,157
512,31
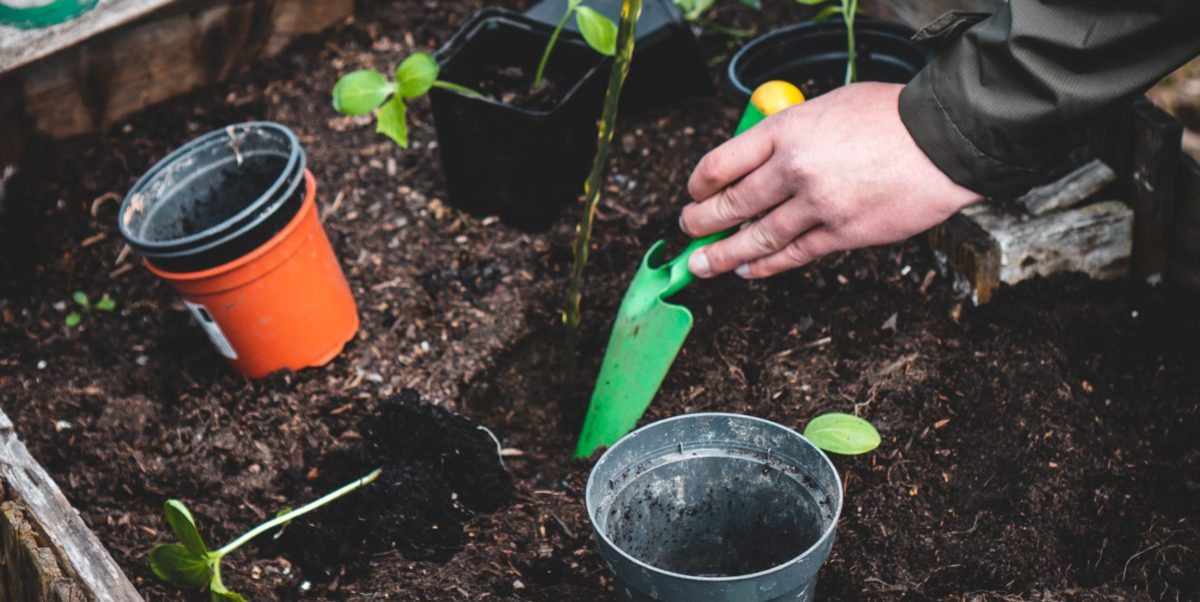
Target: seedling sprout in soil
x,y
598,31
75,318
847,9
360,92
190,564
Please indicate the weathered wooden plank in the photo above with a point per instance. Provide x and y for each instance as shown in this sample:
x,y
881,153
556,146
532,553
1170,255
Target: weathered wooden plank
x,y
1157,137
1095,239
970,253
30,572
1069,190
20,47
56,526
1184,262
183,46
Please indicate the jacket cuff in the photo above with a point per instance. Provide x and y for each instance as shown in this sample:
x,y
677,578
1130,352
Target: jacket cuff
x,y
932,126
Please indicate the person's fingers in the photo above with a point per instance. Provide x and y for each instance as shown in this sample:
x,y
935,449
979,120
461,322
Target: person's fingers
x,y
763,189
809,247
759,239
731,161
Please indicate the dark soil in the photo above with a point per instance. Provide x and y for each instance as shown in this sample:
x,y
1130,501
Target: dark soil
x,y
513,85
439,470
1043,447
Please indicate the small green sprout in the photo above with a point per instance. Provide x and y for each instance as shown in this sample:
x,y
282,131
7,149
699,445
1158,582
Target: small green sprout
x,y
847,9
75,318
360,92
190,564
842,434
598,31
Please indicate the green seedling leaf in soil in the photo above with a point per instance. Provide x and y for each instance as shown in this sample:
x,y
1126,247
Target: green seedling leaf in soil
x,y
190,564
827,12
755,4
179,566
598,31
73,319
360,92
81,299
415,75
391,121
842,434
105,303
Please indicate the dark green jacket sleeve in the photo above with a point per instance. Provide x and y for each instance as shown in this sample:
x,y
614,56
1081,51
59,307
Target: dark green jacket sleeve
x,y
1000,107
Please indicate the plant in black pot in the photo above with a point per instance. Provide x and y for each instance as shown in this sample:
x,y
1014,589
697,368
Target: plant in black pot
x,y
517,138
824,53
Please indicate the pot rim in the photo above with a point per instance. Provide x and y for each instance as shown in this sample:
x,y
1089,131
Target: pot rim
x,y
459,40
826,534
232,226
864,27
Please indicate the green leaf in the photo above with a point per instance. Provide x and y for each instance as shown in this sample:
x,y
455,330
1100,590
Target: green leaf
x,y
842,434
811,2
827,12
106,303
73,319
218,593
390,121
279,533
358,92
81,299
184,527
179,566
694,9
416,75
755,4
598,31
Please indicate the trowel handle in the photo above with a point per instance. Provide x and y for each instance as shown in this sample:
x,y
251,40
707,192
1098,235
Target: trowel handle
x,y
768,99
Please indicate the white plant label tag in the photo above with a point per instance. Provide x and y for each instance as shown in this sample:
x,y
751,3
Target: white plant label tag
x,y
214,331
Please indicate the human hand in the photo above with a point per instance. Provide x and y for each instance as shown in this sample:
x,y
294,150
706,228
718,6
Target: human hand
x,y
838,172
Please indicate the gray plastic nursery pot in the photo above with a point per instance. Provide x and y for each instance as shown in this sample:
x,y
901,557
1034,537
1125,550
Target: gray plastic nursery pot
x,y
714,507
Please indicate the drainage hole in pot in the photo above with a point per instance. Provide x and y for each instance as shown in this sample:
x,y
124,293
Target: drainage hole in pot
x,y
208,201
714,517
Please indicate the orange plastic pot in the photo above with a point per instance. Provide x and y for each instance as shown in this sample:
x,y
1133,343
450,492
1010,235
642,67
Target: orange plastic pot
x,y
286,304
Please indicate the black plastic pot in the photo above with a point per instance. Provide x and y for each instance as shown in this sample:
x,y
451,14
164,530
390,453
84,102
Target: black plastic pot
x,y
523,165
215,198
812,55
667,63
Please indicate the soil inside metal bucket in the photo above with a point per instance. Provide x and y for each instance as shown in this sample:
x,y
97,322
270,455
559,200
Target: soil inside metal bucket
x,y
715,516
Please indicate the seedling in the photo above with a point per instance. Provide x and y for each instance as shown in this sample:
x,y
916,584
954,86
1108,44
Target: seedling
x,y
847,9
190,564
75,318
598,31
360,92
693,10
842,434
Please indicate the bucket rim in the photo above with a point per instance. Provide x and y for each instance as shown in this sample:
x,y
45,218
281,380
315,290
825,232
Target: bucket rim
x,y
827,532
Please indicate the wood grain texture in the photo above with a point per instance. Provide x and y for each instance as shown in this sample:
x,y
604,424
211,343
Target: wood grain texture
x,y
1095,239
1156,146
36,511
970,254
1069,190
183,46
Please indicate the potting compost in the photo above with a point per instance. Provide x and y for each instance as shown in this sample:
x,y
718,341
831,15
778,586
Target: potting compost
x,y
1040,447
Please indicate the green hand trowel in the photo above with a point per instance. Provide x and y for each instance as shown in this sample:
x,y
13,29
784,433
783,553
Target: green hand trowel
x,y
649,331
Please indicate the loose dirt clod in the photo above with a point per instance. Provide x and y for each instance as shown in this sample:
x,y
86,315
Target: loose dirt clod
x,y
439,470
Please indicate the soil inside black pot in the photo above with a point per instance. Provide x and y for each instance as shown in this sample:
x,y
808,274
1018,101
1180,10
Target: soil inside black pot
x,y
513,85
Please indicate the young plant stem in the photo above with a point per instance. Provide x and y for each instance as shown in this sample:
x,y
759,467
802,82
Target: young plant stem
x,y
294,514
541,68
630,11
437,83
849,9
